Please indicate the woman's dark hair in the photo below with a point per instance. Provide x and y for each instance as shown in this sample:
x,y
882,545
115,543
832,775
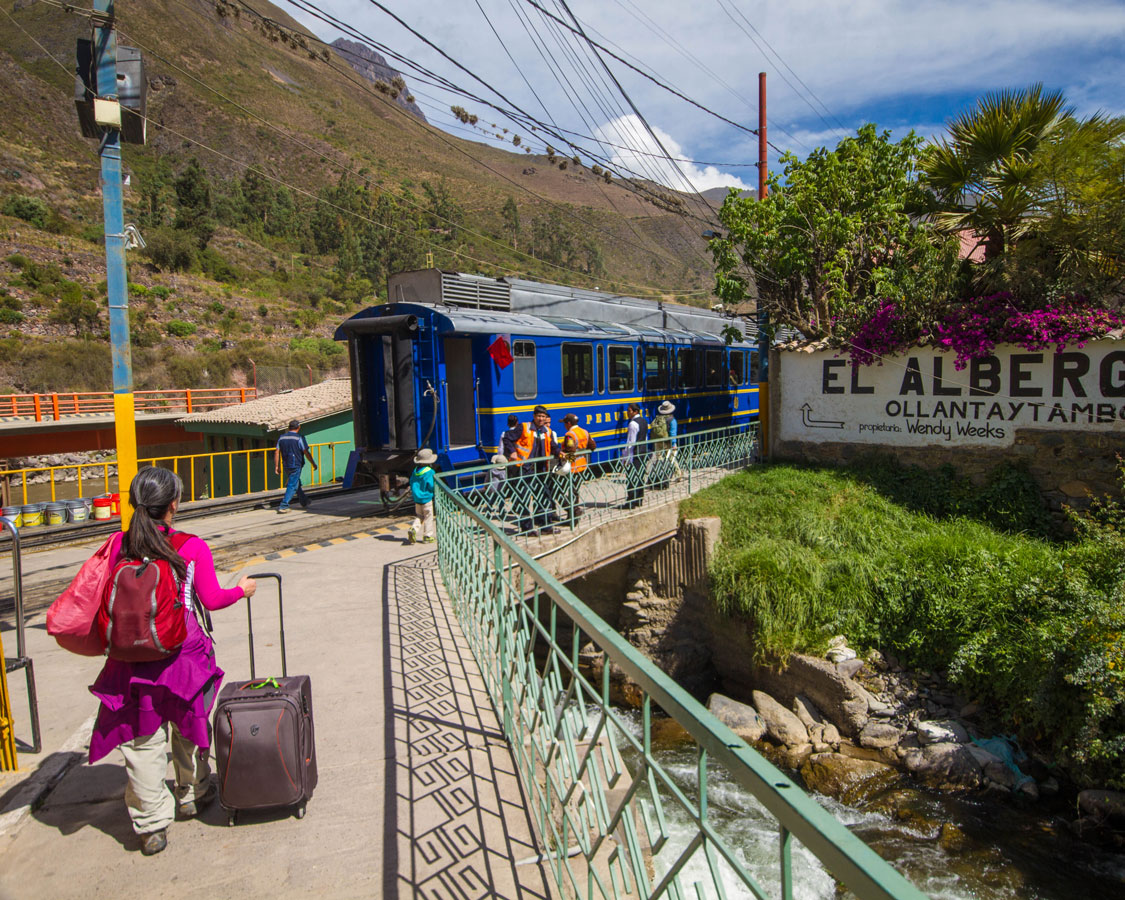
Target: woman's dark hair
x,y
152,491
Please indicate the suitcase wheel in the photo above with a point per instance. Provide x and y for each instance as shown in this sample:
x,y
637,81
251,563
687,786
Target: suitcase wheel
x,y
301,811
230,819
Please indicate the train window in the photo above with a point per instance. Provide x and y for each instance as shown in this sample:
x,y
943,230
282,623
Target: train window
x,y
754,367
688,369
714,368
620,369
601,369
737,367
577,369
656,369
524,380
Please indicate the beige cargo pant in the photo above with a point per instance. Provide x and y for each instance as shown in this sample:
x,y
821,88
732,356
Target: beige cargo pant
x,y
151,805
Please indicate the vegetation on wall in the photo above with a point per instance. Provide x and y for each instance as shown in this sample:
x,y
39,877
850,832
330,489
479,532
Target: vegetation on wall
x,y
902,562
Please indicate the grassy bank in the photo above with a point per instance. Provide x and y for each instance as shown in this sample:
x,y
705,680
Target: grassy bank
x,y
1033,627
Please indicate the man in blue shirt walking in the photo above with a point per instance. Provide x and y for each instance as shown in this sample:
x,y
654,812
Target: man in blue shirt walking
x,y
292,450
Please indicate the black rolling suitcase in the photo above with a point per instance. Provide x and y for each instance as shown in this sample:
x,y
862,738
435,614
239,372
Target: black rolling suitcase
x,y
264,746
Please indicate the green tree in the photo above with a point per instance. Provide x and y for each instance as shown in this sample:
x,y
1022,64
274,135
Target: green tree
x,y
74,309
445,213
834,238
156,198
1041,190
511,214
552,239
193,195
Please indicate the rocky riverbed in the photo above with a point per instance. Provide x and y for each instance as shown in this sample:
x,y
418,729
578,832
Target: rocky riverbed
x,y
852,728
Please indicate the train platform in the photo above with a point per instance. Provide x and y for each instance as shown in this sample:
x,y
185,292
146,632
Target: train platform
x,y
417,794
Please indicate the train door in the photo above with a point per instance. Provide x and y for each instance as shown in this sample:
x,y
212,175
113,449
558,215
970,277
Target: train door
x,y
398,429
460,400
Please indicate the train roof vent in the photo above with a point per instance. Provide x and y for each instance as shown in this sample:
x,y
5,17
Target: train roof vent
x,y
474,292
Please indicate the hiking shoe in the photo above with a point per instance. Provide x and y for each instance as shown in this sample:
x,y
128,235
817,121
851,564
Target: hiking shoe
x,y
283,509
192,808
411,536
153,842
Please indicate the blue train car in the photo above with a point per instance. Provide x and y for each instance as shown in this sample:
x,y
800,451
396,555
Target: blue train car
x,y
426,367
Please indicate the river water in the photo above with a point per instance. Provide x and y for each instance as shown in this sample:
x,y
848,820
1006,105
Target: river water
x,y
950,848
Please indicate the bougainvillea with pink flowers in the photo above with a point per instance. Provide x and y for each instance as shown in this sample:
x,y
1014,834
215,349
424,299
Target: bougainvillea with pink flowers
x,y
973,328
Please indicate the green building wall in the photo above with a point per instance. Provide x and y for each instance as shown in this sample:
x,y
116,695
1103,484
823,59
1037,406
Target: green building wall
x,y
241,472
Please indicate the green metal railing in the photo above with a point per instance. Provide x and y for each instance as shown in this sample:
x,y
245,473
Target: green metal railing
x,y
595,786
539,497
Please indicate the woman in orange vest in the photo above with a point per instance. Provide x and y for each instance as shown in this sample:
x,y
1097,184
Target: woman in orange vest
x,y
577,444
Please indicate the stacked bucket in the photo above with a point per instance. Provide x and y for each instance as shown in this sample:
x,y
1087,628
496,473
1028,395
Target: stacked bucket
x,y
63,512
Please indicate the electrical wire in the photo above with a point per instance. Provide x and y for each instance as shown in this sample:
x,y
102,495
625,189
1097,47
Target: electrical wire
x,y
518,116
841,125
364,84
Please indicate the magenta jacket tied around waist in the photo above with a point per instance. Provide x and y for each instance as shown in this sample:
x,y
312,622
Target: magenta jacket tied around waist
x,y
138,698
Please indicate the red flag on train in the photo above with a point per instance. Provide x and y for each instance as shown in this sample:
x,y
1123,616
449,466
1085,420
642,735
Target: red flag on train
x,y
500,351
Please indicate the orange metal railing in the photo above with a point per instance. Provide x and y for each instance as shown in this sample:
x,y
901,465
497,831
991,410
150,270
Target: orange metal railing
x,y
54,406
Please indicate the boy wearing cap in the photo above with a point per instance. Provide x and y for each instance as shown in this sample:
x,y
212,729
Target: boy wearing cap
x,y
291,451
496,493
422,490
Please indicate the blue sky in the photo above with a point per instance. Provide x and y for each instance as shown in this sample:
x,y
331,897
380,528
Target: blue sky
x,y
901,65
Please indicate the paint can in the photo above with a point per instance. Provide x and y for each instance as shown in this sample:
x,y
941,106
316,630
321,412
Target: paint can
x,y
31,515
12,514
76,511
54,513
102,508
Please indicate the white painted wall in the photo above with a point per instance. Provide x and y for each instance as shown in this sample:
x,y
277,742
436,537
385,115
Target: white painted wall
x,y
919,399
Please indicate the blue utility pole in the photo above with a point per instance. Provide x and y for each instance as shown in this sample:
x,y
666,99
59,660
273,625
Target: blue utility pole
x,y
124,407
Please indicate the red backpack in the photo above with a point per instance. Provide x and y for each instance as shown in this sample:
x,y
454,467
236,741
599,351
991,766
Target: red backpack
x,y
141,616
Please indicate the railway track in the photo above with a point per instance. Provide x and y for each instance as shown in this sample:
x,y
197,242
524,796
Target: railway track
x,y
39,592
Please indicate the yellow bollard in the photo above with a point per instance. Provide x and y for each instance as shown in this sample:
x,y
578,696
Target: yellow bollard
x,y
8,762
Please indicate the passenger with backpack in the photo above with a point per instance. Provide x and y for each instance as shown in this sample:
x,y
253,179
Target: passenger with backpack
x,y
159,683
662,433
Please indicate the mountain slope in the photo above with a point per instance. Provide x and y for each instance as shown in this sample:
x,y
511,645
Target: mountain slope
x,y
252,90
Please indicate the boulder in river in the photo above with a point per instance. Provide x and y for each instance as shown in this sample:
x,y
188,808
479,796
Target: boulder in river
x,y
849,780
946,731
781,725
740,718
944,767
1107,806
878,735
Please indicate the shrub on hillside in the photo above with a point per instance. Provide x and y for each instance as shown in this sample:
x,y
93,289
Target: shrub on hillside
x,y
181,329
170,249
32,210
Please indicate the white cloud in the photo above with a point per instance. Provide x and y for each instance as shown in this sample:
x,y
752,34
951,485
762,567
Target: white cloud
x,y
887,61
647,161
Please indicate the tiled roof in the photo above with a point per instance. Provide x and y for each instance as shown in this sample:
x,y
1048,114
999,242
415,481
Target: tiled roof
x,y
274,412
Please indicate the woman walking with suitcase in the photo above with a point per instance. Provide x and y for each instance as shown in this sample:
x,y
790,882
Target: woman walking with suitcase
x,y
147,706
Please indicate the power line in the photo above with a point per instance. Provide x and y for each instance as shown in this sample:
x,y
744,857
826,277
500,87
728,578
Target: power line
x,y
520,116
790,68
754,41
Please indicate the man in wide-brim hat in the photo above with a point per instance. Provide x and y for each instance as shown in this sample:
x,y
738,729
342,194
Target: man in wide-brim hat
x,y
663,432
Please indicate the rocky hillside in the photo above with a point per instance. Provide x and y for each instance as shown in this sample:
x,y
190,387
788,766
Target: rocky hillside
x,y
276,191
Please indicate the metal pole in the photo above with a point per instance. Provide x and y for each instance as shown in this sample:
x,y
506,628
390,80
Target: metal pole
x,y
763,316
763,163
124,405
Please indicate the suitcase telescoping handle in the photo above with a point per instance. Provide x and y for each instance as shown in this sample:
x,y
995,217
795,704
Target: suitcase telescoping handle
x,y
280,619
